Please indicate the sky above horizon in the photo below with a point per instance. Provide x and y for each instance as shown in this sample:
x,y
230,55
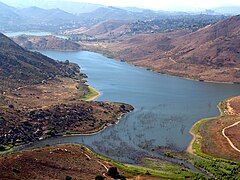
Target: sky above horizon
x,y
169,5
165,4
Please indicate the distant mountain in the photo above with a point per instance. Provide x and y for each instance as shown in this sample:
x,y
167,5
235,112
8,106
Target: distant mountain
x,y
230,10
133,9
35,18
106,13
39,15
7,14
113,13
68,6
22,67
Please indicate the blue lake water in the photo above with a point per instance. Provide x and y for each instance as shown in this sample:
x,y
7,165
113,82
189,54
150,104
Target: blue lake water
x,y
166,107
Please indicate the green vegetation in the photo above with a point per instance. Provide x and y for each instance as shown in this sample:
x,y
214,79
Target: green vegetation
x,y
5,149
92,94
163,170
217,167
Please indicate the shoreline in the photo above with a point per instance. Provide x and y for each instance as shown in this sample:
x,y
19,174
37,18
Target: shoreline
x,y
196,138
108,55
96,96
92,95
96,131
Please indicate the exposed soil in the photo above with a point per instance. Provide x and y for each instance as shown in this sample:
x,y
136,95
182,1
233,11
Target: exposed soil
x,y
234,105
46,94
213,141
40,111
233,133
53,163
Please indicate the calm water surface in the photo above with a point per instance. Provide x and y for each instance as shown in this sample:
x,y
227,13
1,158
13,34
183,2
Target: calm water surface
x,y
165,107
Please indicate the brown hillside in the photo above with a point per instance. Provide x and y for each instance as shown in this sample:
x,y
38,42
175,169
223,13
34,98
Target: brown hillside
x,y
211,53
46,43
19,66
98,29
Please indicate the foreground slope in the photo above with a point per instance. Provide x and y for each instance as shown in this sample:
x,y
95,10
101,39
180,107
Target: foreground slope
x,y
41,98
18,66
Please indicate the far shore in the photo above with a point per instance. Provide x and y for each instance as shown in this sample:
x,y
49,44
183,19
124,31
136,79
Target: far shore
x,y
111,56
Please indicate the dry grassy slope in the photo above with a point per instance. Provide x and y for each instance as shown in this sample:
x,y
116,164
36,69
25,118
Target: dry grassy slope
x,y
52,163
21,67
211,53
101,30
46,43
216,45
104,27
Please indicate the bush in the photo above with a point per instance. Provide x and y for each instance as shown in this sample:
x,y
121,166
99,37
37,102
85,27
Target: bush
x,y
113,172
68,178
2,148
99,177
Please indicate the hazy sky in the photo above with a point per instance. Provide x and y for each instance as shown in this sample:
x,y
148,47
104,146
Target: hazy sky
x,y
166,4
176,5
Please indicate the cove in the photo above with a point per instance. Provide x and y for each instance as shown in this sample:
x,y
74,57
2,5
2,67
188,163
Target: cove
x,y
166,107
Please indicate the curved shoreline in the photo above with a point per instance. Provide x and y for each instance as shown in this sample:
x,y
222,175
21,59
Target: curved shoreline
x,y
196,126
96,131
196,137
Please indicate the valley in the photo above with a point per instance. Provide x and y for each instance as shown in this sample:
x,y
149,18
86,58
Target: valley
x,y
89,91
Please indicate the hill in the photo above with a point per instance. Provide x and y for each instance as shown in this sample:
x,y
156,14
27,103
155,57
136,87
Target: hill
x,y
101,30
71,7
115,29
35,18
46,43
211,53
41,98
19,66
36,14
7,14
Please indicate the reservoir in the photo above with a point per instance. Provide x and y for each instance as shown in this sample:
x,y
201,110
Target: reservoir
x,y
166,107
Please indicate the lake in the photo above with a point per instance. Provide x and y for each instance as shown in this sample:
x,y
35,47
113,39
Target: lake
x,y
166,107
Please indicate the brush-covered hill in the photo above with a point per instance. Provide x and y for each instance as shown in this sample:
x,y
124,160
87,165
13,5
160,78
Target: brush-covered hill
x,y
211,53
20,67
33,86
46,43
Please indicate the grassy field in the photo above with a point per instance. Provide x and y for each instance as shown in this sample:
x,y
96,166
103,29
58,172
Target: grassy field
x,y
152,168
91,95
